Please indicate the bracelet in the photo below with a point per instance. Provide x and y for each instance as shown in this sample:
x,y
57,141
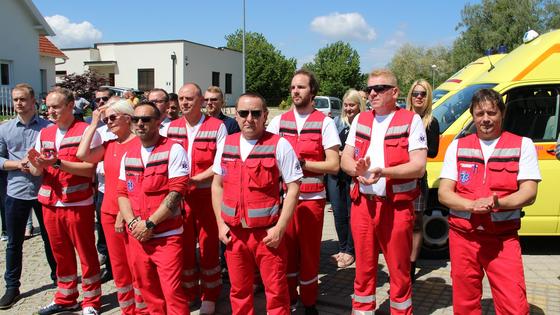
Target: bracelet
x,y
131,223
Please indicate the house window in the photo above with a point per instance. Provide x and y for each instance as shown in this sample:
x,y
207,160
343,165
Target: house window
x,y
145,79
216,79
228,83
4,73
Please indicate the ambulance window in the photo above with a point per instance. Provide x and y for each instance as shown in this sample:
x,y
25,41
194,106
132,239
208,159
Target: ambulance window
x,y
533,112
453,107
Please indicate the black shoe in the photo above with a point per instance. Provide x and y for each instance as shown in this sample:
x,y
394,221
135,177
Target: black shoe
x,y
311,310
106,275
9,299
54,308
413,271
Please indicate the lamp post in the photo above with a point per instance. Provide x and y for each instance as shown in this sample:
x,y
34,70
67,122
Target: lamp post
x,y
433,74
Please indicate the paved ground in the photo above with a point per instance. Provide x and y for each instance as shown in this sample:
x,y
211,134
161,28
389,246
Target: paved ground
x,y
431,294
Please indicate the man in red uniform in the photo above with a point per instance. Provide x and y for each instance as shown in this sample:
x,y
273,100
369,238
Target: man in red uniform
x,y
153,177
386,152
200,135
247,206
487,177
315,139
67,198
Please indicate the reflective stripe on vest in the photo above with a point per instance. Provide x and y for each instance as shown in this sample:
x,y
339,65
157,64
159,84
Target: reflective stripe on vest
x,y
45,192
396,131
177,132
47,144
499,216
285,124
133,161
207,134
156,157
363,298
363,129
401,305
312,125
70,141
404,187
229,211
73,189
262,212
312,180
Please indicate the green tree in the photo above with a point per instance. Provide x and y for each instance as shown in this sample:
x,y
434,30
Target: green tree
x,y
411,63
492,23
337,67
268,72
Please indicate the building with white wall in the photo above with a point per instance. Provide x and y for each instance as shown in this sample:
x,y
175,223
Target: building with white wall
x,y
21,24
166,64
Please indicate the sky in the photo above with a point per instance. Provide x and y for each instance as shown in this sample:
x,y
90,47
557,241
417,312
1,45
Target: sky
x,y
298,29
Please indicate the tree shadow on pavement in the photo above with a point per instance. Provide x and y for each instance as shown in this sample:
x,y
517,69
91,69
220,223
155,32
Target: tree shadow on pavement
x,y
540,245
109,302
37,290
488,307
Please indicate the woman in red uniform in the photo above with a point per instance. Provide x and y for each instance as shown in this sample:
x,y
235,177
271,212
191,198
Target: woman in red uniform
x,y
117,117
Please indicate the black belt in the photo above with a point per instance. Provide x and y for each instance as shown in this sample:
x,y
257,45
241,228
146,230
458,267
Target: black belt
x,y
372,197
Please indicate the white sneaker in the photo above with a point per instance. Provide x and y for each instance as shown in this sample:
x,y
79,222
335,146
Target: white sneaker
x,y
89,310
207,308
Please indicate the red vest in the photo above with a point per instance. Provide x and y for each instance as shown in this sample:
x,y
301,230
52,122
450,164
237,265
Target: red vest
x,y
501,178
395,150
59,185
148,186
251,195
204,144
308,145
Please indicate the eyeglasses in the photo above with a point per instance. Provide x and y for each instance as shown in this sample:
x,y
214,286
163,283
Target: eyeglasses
x,y
419,93
213,99
112,117
380,88
245,113
144,119
103,98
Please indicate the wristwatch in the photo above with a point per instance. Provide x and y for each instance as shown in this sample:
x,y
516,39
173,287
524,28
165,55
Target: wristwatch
x,y
149,224
56,164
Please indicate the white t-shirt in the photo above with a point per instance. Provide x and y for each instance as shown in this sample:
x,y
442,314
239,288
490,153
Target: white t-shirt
x,y
95,142
286,158
178,161
106,135
375,151
164,126
330,139
528,161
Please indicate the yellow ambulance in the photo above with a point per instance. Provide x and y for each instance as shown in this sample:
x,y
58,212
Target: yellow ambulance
x,y
465,76
528,78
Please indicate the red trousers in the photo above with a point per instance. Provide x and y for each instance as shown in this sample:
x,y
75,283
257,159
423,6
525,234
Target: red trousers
x,y
303,241
158,263
200,224
244,251
473,254
380,224
121,263
69,229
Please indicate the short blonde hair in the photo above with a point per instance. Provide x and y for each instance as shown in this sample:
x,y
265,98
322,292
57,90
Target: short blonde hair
x,y
122,107
386,73
353,96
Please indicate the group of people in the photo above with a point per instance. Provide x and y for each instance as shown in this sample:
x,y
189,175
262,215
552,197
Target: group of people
x,y
170,184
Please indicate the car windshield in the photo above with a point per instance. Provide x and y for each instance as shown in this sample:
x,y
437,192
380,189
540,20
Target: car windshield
x,y
452,108
321,103
437,94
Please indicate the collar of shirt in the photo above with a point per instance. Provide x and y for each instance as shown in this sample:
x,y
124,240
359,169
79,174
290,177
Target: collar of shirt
x,y
32,121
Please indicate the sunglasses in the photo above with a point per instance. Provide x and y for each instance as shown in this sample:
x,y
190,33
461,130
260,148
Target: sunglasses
x,y
419,93
380,88
245,113
144,119
99,99
110,118
213,99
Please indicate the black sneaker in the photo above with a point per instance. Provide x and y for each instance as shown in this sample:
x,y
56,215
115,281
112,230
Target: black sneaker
x,y
311,310
9,299
54,308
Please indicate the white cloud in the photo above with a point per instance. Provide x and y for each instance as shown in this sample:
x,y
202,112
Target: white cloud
x,y
69,34
343,26
380,56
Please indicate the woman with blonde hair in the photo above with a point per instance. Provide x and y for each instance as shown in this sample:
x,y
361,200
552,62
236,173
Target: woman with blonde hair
x,y
338,186
117,115
419,100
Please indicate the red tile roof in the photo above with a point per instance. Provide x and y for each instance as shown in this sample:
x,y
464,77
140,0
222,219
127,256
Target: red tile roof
x,y
46,48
